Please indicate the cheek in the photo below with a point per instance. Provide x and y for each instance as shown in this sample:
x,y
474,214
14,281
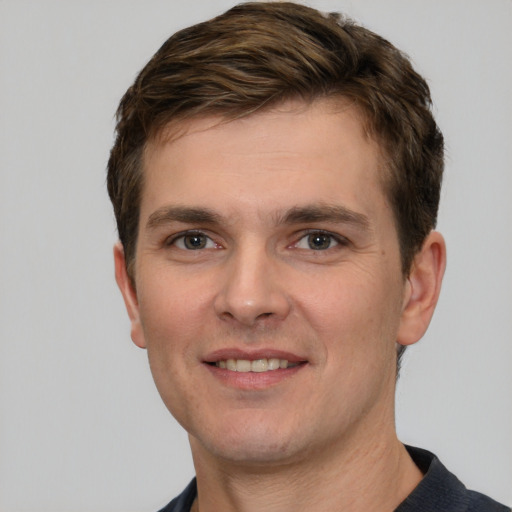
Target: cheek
x,y
171,308
174,323
172,319
355,314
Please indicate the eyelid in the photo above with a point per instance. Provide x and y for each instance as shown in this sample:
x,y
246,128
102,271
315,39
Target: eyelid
x,y
339,239
172,239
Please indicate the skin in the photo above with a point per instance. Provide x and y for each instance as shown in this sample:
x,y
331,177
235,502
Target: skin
x,y
298,256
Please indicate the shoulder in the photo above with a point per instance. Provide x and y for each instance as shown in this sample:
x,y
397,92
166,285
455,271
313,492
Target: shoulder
x,y
183,502
442,491
481,503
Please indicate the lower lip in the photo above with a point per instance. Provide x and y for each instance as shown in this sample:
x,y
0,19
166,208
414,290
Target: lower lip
x,y
253,380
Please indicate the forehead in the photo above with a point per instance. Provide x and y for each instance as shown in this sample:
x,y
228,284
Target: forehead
x,y
325,109
312,151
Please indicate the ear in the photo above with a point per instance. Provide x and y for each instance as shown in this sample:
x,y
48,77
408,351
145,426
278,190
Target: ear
x,y
129,295
422,289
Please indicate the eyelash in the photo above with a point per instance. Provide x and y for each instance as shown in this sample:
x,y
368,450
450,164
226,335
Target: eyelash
x,y
338,239
172,240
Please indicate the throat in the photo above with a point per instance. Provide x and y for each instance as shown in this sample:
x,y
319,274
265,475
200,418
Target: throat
x,y
373,481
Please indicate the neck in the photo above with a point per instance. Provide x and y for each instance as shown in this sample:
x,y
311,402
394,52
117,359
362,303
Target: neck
x,y
369,476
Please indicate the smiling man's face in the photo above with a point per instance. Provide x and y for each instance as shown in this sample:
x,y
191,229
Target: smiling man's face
x,y
267,244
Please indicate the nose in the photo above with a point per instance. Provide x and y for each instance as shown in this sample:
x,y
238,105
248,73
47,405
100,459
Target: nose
x,y
251,292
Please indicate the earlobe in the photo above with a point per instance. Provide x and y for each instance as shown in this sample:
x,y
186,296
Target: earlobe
x,y
422,289
129,295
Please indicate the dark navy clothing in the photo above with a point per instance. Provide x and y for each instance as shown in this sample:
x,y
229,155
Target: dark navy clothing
x,y
439,491
184,501
442,491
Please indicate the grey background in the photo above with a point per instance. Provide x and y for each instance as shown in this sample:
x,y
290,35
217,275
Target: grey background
x,y
81,425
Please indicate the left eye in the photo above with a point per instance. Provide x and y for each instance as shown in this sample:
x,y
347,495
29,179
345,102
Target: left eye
x,y
317,241
194,241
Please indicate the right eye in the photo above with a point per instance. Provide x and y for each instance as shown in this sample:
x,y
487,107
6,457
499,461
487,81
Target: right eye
x,y
317,241
193,242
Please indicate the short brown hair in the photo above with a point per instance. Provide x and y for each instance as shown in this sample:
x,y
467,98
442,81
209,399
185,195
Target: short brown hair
x,y
258,54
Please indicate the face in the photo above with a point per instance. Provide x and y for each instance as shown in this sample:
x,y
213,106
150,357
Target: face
x,y
268,285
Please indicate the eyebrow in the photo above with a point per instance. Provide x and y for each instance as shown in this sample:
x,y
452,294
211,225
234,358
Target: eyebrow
x,y
185,214
295,215
325,213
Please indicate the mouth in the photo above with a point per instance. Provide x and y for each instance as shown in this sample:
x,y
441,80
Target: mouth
x,y
254,369
260,365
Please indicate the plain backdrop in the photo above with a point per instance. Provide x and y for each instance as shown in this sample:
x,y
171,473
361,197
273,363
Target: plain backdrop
x,y
82,427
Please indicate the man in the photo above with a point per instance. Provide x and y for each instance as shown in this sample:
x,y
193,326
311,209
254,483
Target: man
x,y
275,179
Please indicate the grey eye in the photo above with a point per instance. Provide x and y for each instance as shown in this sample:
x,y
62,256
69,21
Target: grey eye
x,y
192,241
195,241
319,241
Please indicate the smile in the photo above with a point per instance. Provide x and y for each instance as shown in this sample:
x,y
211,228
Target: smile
x,y
255,365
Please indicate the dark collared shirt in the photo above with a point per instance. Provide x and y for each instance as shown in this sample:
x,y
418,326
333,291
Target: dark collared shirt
x,y
439,491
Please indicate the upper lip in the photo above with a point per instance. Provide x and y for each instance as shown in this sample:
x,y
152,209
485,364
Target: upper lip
x,y
261,353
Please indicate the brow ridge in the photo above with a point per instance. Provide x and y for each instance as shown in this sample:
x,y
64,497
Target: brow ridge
x,y
295,215
185,214
324,213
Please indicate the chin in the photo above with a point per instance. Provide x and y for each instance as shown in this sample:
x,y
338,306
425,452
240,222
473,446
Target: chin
x,y
251,453
254,445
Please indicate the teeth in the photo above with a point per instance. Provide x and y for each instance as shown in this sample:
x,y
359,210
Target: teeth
x,y
257,365
243,365
273,364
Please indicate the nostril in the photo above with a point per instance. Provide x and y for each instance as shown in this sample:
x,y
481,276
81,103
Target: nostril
x,y
250,303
